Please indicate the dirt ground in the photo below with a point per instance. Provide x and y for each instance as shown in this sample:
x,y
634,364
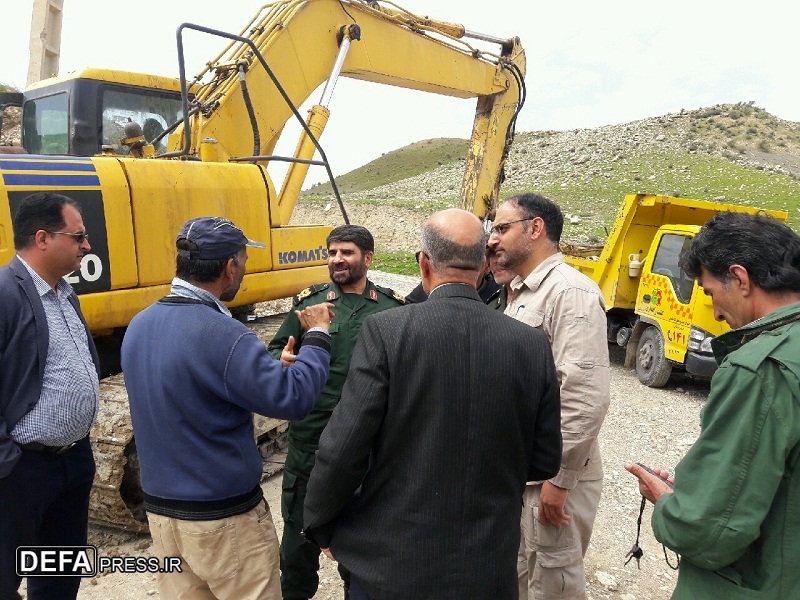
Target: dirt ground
x,y
654,426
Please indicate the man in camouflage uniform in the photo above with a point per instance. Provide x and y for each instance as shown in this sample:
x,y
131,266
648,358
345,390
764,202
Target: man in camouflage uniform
x,y
350,253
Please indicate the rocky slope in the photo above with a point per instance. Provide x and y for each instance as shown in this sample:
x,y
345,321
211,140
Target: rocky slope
x,y
11,132
737,153
742,134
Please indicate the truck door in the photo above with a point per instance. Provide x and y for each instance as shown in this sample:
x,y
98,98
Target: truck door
x,y
665,294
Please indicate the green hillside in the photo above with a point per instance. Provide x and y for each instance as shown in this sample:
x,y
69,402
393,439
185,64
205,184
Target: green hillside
x,y
402,163
737,153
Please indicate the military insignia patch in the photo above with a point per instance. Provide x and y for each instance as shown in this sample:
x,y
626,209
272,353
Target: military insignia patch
x,y
390,293
303,295
373,295
331,295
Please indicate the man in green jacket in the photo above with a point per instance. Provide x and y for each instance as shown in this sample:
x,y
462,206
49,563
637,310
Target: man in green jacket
x,y
502,277
734,514
354,297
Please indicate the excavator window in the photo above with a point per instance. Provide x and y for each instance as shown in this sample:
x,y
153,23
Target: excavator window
x,y
153,110
46,125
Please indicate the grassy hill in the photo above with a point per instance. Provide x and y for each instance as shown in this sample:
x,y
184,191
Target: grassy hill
x,y
736,153
408,161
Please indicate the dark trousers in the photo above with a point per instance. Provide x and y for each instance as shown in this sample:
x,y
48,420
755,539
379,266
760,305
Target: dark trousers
x,y
356,591
299,557
44,501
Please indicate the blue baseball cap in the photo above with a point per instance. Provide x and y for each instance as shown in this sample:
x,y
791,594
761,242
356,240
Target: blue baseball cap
x,y
215,238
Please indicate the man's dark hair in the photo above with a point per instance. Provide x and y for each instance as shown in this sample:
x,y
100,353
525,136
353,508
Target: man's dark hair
x,y
534,205
199,269
445,255
767,248
44,210
357,234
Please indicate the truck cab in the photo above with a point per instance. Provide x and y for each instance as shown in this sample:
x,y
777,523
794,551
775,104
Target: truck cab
x,y
681,313
656,311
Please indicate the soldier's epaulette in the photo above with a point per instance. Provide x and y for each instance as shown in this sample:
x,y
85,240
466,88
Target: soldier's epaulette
x,y
391,294
309,291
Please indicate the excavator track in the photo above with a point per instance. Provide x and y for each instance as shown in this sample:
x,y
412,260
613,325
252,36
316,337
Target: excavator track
x,y
116,498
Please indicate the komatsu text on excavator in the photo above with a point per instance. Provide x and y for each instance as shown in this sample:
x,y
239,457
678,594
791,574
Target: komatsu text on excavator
x,y
144,153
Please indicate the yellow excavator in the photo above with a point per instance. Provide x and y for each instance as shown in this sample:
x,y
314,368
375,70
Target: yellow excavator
x,y
144,153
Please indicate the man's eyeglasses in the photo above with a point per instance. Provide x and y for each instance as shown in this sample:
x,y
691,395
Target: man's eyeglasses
x,y
419,252
501,228
79,237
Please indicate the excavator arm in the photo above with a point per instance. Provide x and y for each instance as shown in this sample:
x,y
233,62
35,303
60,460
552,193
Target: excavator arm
x,y
134,197
291,47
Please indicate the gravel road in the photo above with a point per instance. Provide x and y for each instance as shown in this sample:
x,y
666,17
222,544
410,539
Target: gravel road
x,y
644,424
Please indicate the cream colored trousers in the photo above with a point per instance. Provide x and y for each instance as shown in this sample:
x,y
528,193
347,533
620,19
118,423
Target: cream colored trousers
x,y
235,558
550,560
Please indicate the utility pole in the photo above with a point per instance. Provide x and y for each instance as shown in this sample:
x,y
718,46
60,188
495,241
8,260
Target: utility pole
x,y
45,43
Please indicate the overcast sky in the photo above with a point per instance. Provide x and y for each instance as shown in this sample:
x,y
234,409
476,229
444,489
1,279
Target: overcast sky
x,y
589,63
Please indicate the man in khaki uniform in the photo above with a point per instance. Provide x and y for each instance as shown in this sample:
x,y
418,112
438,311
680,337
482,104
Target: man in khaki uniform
x,y
558,514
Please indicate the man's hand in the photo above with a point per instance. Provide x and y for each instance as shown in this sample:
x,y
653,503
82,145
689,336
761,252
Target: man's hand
x,y
327,552
287,355
650,486
319,315
551,505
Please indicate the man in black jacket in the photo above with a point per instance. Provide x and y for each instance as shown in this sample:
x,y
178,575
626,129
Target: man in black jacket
x,y
447,410
49,392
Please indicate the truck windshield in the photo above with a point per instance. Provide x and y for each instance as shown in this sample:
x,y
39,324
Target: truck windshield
x,y
666,263
45,127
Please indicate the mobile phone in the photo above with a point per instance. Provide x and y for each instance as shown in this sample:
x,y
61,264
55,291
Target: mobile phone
x,y
649,470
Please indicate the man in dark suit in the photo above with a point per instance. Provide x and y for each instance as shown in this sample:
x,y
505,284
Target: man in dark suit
x,y
447,410
48,392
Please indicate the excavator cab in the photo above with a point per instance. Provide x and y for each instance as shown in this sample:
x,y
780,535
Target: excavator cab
x,y
85,113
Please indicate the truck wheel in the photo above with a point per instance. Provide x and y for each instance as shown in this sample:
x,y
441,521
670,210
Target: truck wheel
x,y
652,367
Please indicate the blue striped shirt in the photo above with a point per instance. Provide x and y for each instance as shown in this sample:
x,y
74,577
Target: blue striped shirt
x,y
70,394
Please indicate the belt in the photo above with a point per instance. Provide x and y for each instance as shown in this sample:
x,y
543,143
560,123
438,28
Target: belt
x,y
39,447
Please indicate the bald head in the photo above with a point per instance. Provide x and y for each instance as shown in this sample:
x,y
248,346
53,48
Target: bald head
x,y
454,243
458,226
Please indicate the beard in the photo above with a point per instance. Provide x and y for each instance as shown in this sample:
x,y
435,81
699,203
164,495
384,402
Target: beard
x,y
514,256
229,293
503,275
348,274
509,261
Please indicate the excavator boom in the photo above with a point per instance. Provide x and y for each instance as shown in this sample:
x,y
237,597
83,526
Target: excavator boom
x,y
141,154
298,44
